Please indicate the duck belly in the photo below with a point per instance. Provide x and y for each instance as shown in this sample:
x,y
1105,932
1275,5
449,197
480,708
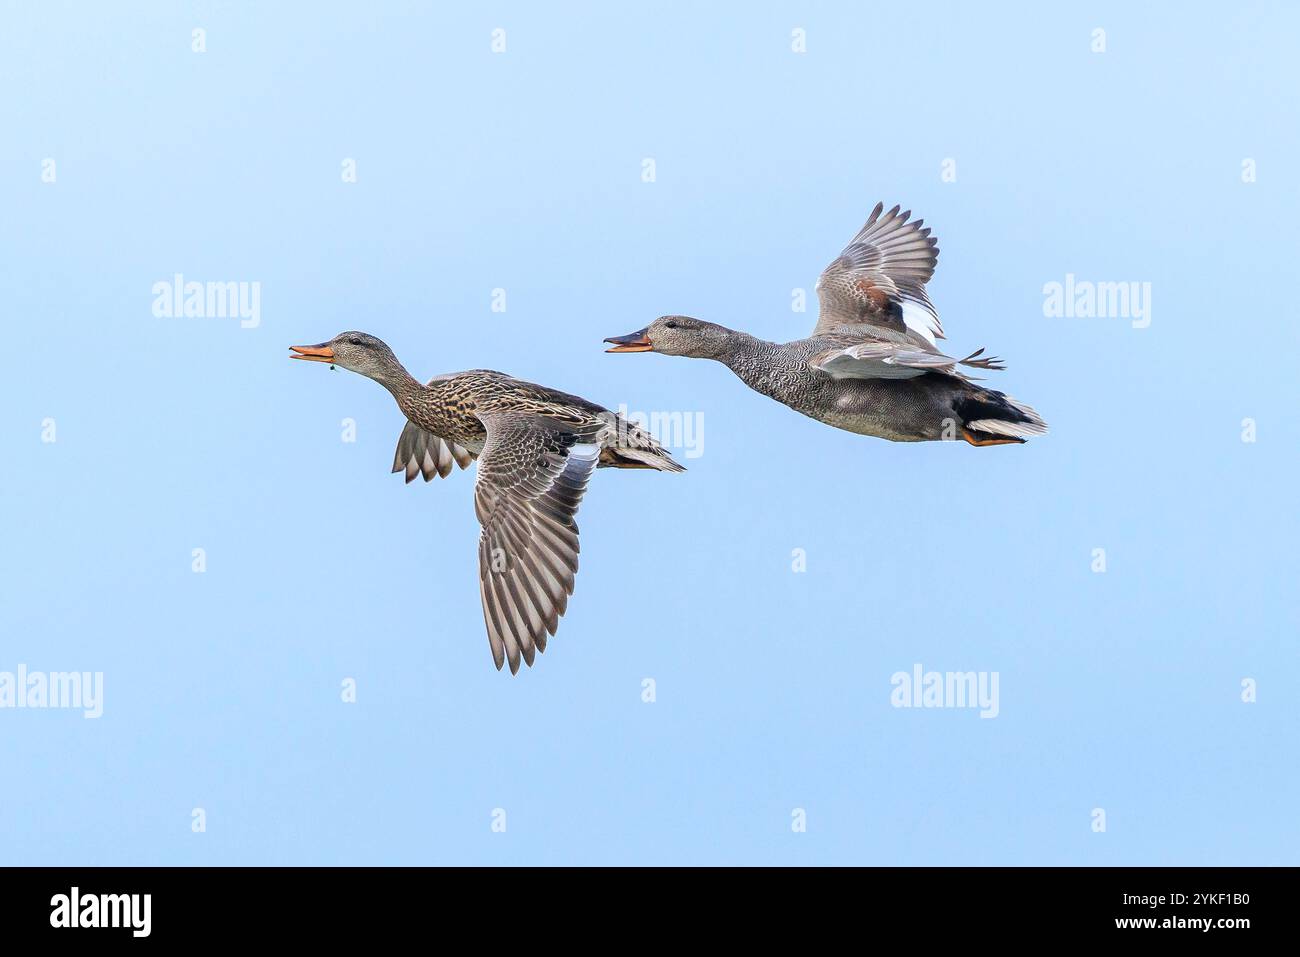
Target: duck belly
x,y
888,409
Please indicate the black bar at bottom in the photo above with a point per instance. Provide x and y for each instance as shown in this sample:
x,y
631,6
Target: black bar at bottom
x,y
335,905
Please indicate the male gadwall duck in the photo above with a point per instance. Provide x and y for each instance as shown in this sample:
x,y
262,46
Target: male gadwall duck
x,y
536,449
871,365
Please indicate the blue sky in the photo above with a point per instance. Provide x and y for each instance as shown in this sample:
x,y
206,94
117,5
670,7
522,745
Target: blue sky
x,y
523,171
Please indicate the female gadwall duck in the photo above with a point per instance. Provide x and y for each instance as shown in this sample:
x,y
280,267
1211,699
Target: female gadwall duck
x,y
870,365
536,449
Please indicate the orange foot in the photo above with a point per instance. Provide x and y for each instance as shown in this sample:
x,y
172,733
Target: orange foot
x,y
969,437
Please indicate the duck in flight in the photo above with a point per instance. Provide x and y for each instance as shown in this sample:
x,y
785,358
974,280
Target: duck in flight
x,y
871,365
536,449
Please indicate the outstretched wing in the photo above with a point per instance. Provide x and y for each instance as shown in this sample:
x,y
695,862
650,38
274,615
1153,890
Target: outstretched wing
x,y
531,477
878,282
420,452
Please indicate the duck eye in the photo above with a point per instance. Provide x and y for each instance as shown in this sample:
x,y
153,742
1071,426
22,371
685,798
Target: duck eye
x,y
355,341
671,325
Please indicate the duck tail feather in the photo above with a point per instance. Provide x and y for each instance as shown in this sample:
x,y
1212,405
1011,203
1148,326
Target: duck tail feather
x,y
997,414
630,457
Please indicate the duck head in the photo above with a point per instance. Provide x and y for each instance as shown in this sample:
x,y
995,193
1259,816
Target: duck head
x,y
355,351
676,336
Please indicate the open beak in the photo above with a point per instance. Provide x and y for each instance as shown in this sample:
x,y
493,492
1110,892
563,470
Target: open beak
x,y
320,353
632,342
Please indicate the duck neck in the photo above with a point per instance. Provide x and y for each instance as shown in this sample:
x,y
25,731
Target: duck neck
x,y
747,356
405,388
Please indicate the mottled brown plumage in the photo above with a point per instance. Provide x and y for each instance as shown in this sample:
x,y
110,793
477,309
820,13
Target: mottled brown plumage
x,y
536,449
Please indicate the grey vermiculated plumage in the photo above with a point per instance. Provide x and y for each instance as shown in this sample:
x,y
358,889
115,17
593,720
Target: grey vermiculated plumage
x,y
871,365
536,448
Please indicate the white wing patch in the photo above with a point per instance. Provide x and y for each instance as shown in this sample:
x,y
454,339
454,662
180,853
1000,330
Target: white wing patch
x,y
921,319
